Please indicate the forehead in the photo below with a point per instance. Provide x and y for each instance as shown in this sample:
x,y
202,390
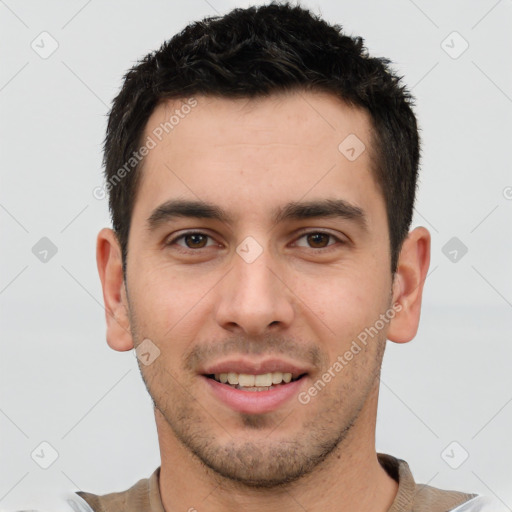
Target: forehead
x,y
257,152
292,118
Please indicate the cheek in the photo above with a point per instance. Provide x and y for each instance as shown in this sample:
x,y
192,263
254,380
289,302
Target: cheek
x,y
345,303
169,305
160,290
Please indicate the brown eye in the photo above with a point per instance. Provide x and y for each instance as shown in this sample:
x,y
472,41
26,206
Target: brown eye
x,y
192,240
195,240
318,240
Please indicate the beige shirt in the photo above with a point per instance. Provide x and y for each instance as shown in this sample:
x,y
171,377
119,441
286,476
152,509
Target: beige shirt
x,y
144,496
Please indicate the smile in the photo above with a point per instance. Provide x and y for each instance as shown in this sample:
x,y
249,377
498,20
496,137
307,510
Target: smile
x,y
261,382
254,393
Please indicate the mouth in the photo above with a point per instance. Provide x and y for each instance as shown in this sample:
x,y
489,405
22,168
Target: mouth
x,y
258,383
251,388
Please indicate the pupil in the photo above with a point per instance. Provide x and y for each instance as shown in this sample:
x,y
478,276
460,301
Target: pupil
x,y
196,240
316,238
199,240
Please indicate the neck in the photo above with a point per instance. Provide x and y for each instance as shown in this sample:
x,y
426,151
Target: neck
x,y
349,479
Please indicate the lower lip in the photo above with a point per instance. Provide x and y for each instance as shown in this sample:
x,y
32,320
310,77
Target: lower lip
x,y
254,402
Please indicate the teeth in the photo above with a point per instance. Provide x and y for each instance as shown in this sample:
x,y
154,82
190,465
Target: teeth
x,y
277,377
263,380
245,380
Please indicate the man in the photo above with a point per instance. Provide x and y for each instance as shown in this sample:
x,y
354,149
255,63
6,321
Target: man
x,y
261,170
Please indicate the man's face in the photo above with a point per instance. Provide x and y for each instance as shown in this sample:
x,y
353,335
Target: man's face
x,y
258,294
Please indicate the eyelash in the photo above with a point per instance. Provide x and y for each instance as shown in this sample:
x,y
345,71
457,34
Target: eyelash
x,y
301,235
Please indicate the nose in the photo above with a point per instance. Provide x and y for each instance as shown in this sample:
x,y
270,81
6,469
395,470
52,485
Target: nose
x,y
254,297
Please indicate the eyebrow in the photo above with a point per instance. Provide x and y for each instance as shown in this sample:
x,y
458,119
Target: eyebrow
x,y
323,208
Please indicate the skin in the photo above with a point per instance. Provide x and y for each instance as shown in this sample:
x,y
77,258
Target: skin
x,y
304,300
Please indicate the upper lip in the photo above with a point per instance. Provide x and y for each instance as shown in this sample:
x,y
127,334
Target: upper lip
x,y
251,367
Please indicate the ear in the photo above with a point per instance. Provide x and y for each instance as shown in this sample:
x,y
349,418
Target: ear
x,y
408,282
110,268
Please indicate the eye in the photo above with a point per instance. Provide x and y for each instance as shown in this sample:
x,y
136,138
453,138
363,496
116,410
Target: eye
x,y
318,240
192,240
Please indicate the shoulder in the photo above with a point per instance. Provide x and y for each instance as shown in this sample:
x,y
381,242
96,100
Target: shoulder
x,y
68,502
415,497
427,498
482,504
141,497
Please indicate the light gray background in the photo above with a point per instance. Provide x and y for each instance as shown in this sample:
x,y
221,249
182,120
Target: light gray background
x,y
62,384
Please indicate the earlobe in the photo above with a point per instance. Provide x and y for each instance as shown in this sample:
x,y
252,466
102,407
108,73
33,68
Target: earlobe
x,y
110,269
408,284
